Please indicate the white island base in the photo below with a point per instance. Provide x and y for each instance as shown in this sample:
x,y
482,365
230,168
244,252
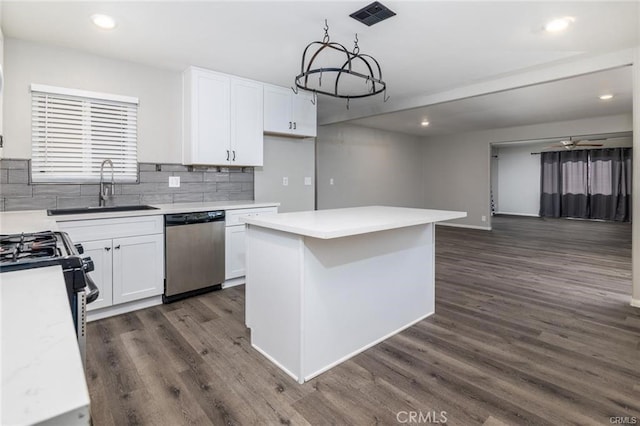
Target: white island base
x,y
312,302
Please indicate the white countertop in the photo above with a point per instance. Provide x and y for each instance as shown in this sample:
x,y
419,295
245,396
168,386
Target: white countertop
x,y
336,223
26,221
42,373
15,222
163,209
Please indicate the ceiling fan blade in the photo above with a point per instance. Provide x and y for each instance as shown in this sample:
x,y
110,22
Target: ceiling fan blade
x,y
590,144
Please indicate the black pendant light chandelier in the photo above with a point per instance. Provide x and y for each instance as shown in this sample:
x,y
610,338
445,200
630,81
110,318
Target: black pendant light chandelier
x,y
349,75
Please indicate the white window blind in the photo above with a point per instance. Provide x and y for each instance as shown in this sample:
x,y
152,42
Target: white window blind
x,y
74,131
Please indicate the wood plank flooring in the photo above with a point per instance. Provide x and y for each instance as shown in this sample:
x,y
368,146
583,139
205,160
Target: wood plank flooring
x,y
532,326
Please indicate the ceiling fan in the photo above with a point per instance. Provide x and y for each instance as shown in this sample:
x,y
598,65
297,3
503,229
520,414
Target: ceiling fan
x,y
572,143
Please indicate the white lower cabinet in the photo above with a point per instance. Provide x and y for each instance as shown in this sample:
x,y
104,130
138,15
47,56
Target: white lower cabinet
x,y
127,254
235,248
234,251
138,267
100,253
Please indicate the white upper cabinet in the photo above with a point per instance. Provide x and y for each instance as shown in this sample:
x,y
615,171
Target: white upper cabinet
x,y
277,109
223,119
287,113
304,114
207,122
246,123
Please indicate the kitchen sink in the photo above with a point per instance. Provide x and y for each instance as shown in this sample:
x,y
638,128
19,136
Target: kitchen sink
x,y
81,210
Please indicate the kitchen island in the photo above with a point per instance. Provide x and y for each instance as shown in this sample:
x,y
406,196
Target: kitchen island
x,y
323,286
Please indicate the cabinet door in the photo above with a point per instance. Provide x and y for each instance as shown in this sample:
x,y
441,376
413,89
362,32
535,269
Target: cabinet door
x,y
277,110
234,251
304,114
100,253
246,123
138,267
210,118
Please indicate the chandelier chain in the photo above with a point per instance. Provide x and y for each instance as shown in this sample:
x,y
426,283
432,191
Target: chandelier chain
x,y
325,39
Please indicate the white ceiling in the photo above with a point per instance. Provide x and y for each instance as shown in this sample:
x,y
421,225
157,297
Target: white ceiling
x,y
429,47
569,99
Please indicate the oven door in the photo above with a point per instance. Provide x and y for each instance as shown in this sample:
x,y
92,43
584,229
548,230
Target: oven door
x,y
87,295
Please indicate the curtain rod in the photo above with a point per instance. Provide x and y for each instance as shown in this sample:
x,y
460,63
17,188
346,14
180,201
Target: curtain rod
x,y
588,149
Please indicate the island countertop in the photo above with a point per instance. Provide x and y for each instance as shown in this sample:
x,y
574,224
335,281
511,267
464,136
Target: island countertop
x,y
336,223
42,373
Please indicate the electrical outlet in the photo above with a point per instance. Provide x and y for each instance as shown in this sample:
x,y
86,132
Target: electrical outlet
x,y
174,181
285,181
484,218
331,181
307,181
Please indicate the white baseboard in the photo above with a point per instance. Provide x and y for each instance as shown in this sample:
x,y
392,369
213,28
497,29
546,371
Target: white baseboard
x,y
123,308
232,282
635,303
519,214
460,225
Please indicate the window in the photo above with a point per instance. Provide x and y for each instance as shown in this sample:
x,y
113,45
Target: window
x,y
74,131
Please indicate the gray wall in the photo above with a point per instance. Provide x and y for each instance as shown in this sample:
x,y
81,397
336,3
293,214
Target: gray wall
x,y
456,167
208,184
368,166
292,158
456,177
159,92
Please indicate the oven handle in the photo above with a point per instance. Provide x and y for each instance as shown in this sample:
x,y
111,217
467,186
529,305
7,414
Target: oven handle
x,y
92,290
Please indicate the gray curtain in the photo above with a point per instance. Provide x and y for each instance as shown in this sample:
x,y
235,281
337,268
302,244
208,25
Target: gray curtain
x,y
588,184
610,184
575,183
550,184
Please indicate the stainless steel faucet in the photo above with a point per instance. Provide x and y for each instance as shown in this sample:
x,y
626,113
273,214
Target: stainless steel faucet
x,y
106,190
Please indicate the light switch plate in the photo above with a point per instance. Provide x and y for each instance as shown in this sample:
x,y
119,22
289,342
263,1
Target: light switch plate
x,y
174,181
285,181
331,181
307,181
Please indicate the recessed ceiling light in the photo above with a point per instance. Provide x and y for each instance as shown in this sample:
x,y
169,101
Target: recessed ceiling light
x,y
606,97
424,123
560,24
105,22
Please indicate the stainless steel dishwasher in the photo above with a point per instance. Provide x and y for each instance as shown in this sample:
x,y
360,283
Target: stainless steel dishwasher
x,y
194,254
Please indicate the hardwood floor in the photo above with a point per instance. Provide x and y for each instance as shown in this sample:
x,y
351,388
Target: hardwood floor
x,y
532,326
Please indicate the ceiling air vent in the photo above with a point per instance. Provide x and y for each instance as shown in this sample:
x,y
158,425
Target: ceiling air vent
x,y
372,14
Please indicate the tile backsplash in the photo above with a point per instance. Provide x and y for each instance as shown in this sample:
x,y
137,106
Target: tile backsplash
x,y
196,184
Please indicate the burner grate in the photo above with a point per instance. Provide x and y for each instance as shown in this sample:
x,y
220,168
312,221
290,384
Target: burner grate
x,y
25,247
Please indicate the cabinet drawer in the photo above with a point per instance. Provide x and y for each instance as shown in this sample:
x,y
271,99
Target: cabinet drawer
x,y
99,229
233,216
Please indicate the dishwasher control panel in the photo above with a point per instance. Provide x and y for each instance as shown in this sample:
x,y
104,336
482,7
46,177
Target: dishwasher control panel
x,y
195,217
